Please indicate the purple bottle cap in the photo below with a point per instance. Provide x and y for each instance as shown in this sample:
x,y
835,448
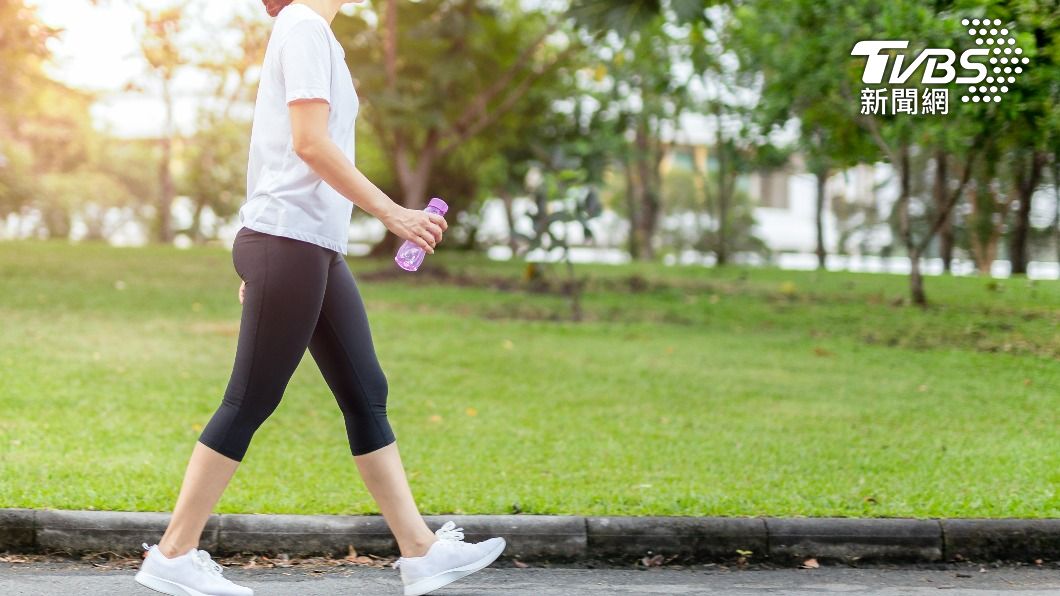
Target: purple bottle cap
x,y
439,205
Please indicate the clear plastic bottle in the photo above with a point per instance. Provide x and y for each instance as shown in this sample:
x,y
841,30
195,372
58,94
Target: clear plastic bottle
x,y
410,256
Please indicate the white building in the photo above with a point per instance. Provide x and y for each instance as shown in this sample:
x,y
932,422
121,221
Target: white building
x,y
785,199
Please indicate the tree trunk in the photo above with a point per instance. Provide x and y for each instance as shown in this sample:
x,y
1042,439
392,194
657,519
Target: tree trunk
x,y
984,232
197,236
946,238
1017,247
916,278
822,179
722,250
413,183
386,247
649,215
575,289
1056,197
632,205
1026,184
165,198
57,222
647,194
506,196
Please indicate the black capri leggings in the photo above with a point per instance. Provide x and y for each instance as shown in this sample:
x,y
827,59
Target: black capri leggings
x,y
298,294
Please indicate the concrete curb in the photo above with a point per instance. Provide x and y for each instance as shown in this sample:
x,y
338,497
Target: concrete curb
x,y
559,538
852,539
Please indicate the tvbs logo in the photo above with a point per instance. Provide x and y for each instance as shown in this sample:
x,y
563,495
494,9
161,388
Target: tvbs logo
x,y
987,69
938,64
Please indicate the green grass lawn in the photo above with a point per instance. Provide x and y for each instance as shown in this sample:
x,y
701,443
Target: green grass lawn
x,y
685,391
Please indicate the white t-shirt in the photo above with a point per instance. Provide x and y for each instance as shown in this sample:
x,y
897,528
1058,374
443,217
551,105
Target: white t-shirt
x,y
285,196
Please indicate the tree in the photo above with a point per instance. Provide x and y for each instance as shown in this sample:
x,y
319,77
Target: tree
x,y
1028,124
216,158
562,196
782,42
902,140
22,55
526,137
641,44
161,50
434,76
627,16
646,94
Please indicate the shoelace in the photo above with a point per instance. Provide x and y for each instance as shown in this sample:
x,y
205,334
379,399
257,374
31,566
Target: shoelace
x,y
448,531
202,559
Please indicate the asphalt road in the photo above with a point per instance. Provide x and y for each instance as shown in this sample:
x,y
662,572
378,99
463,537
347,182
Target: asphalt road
x,y
39,579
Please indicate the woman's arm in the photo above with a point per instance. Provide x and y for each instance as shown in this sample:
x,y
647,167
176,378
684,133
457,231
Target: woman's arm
x,y
309,129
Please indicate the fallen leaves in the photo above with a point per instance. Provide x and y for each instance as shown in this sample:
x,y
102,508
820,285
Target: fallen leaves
x,y
353,557
114,561
312,564
656,560
652,561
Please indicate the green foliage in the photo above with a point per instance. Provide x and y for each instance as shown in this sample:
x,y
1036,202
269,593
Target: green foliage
x,y
215,174
563,196
23,51
801,56
801,50
628,16
16,180
86,192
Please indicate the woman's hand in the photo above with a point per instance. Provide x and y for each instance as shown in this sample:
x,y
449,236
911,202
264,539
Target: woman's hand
x,y
242,291
422,228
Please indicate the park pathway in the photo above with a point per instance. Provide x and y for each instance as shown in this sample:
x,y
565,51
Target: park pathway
x,y
46,579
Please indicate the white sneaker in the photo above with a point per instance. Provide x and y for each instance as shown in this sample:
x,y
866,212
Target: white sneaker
x,y
192,574
448,559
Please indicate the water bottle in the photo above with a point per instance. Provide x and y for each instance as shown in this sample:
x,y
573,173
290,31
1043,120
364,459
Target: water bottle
x,y
410,255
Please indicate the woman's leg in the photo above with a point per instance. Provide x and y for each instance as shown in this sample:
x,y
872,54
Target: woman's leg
x,y
384,475
285,288
205,479
343,349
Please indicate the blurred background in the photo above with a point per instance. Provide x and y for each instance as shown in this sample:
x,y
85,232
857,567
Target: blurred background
x,y
707,132
679,248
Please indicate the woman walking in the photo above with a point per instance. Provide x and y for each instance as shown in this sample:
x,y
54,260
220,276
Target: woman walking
x,y
298,293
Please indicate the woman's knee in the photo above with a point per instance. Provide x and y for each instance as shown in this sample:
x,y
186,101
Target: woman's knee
x,y
233,425
377,390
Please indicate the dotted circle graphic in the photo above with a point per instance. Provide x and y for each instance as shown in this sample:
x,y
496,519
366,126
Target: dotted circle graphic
x,y
1005,59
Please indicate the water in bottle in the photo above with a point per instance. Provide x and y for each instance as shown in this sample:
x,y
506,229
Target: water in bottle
x,y
410,256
